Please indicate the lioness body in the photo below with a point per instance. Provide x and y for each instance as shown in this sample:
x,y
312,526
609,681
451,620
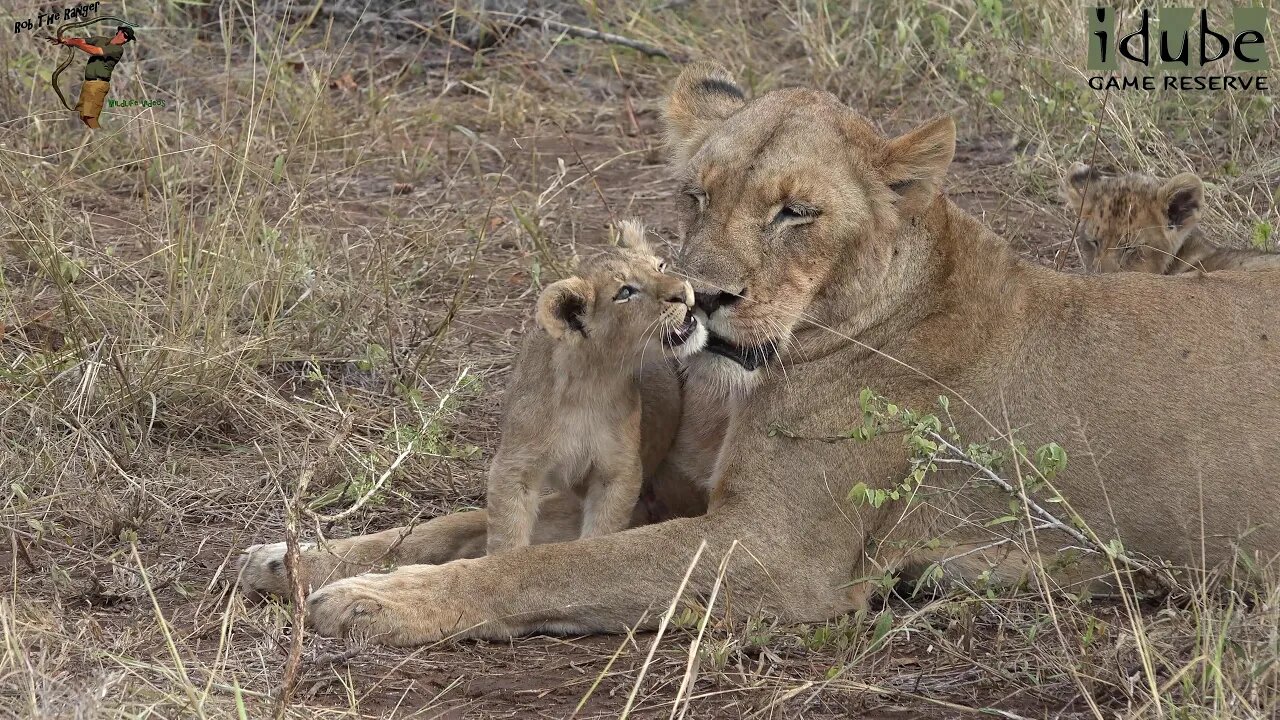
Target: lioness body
x,y
1139,223
808,231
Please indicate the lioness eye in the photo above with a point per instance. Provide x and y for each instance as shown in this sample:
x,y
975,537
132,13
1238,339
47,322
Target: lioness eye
x,y
795,214
698,196
624,294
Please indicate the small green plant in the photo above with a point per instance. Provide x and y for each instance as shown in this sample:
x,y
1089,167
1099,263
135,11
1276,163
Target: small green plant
x,y
375,356
1261,237
716,653
430,435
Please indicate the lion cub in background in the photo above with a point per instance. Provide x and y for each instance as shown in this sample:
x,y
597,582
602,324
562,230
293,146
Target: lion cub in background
x,y
1140,223
594,402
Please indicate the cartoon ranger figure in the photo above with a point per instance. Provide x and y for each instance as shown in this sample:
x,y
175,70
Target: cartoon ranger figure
x,y
104,51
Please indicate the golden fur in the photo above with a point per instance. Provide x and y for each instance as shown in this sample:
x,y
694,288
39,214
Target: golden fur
x,y
593,406
828,255
584,388
1139,223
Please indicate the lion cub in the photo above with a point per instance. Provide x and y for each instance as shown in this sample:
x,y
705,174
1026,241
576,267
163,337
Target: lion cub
x,y
594,401
1140,223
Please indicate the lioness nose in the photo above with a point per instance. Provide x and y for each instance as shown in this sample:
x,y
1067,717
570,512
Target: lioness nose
x,y
682,293
709,302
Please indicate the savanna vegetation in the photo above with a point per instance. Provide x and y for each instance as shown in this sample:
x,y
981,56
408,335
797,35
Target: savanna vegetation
x,y
291,297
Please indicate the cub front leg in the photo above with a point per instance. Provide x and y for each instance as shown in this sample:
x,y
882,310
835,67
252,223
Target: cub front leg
x,y
513,499
613,488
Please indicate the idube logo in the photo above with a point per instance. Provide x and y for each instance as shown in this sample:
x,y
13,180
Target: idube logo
x,y
1184,48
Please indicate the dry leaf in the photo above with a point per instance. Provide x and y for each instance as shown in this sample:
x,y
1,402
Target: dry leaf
x,y
346,83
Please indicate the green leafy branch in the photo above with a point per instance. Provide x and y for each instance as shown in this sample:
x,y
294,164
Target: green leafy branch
x,y
931,445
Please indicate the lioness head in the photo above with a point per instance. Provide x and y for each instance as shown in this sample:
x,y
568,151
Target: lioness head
x,y
623,307
1133,222
789,208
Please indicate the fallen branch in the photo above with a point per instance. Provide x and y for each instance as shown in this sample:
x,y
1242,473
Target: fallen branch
x,y
421,21
373,490
590,34
386,475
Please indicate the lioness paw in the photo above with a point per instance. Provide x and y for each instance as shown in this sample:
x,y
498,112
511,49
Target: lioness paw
x,y
262,570
408,606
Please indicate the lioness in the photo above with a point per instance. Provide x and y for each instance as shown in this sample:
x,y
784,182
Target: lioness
x,y
581,387
828,260
1139,223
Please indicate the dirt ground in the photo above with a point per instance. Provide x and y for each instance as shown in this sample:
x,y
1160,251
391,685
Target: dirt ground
x,y
352,221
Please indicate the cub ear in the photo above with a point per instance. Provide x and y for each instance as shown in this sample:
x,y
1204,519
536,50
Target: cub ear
x,y
1182,197
631,235
563,306
703,96
914,164
1079,178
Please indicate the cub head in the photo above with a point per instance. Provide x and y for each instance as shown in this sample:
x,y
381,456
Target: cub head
x,y
790,209
1133,222
623,307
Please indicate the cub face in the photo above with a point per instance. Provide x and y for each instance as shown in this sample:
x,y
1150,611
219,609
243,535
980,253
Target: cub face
x,y
624,307
1133,222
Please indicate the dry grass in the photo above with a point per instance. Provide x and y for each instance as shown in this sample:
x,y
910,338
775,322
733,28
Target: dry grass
x,y
332,225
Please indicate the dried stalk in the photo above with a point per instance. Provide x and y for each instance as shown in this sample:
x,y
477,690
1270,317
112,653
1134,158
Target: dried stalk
x,y
292,566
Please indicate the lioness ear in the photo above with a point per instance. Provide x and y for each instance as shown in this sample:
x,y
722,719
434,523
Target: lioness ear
x,y
914,164
703,96
631,236
1182,196
563,306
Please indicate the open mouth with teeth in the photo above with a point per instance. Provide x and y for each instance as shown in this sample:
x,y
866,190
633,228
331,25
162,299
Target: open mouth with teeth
x,y
675,337
749,358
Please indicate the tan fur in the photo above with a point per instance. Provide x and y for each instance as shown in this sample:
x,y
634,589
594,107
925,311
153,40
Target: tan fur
x,y
574,415
1140,223
591,410
1162,390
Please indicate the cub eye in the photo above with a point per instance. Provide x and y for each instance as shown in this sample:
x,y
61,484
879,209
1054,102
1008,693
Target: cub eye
x,y
662,266
795,214
624,294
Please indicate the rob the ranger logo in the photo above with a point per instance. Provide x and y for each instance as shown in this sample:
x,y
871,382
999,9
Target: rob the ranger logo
x,y
1208,56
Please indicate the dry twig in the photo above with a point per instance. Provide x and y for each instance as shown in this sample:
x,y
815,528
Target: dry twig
x,y
292,565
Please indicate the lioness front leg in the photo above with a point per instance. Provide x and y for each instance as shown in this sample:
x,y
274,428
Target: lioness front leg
x,y
460,535
612,492
440,540
601,584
